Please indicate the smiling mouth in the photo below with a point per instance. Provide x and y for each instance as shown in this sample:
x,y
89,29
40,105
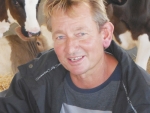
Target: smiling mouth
x,y
75,58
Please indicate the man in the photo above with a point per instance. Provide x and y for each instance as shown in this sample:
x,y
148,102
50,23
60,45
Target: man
x,y
91,75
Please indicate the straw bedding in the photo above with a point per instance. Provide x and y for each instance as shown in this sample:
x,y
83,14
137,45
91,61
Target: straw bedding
x,y
5,81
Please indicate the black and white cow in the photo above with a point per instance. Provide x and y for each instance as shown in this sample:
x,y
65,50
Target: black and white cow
x,y
23,12
131,19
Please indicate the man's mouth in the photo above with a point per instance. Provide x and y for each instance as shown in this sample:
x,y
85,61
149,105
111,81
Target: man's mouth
x,y
76,58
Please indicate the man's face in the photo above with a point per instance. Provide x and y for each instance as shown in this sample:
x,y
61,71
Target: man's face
x,y
77,40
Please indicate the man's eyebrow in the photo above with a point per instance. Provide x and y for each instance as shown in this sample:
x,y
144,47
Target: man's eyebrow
x,y
80,28
75,29
57,32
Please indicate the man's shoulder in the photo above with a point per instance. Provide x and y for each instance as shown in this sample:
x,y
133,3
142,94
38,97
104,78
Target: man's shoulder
x,y
45,57
43,62
46,54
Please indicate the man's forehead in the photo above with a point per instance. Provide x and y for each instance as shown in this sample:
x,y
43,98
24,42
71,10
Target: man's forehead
x,y
74,19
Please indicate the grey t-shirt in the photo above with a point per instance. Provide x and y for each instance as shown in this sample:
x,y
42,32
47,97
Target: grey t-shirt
x,y
96,100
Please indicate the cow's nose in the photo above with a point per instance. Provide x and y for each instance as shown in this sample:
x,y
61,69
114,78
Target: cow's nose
x,y
34,34
24,32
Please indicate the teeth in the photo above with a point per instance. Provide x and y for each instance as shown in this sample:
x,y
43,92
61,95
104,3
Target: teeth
x,y
76,58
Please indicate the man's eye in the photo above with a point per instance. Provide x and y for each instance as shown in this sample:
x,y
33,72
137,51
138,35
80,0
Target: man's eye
x,y
81,34
60,37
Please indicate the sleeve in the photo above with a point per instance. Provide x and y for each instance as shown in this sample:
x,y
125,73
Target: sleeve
x,y
18,98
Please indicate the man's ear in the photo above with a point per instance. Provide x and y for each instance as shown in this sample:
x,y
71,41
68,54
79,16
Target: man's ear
x,y
107,31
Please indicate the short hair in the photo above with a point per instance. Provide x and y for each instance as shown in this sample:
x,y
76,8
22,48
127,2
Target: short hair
x,y
98,9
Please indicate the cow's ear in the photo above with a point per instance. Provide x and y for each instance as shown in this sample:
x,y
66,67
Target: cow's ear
x,y
107,31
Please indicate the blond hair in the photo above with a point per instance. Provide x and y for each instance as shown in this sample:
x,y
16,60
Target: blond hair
x,y
98,10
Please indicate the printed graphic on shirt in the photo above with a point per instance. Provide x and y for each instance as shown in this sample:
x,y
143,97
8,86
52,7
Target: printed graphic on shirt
x,y
73,109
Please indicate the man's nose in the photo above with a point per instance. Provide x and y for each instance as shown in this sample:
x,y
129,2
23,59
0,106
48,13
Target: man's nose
x,y
71,45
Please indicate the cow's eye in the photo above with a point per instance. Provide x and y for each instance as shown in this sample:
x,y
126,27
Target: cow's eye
x,y
38,43
16,3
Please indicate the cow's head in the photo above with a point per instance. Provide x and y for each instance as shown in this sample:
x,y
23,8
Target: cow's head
x,y
24,12
42,42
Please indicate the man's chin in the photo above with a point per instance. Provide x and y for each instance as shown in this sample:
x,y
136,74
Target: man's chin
x,y
76,72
